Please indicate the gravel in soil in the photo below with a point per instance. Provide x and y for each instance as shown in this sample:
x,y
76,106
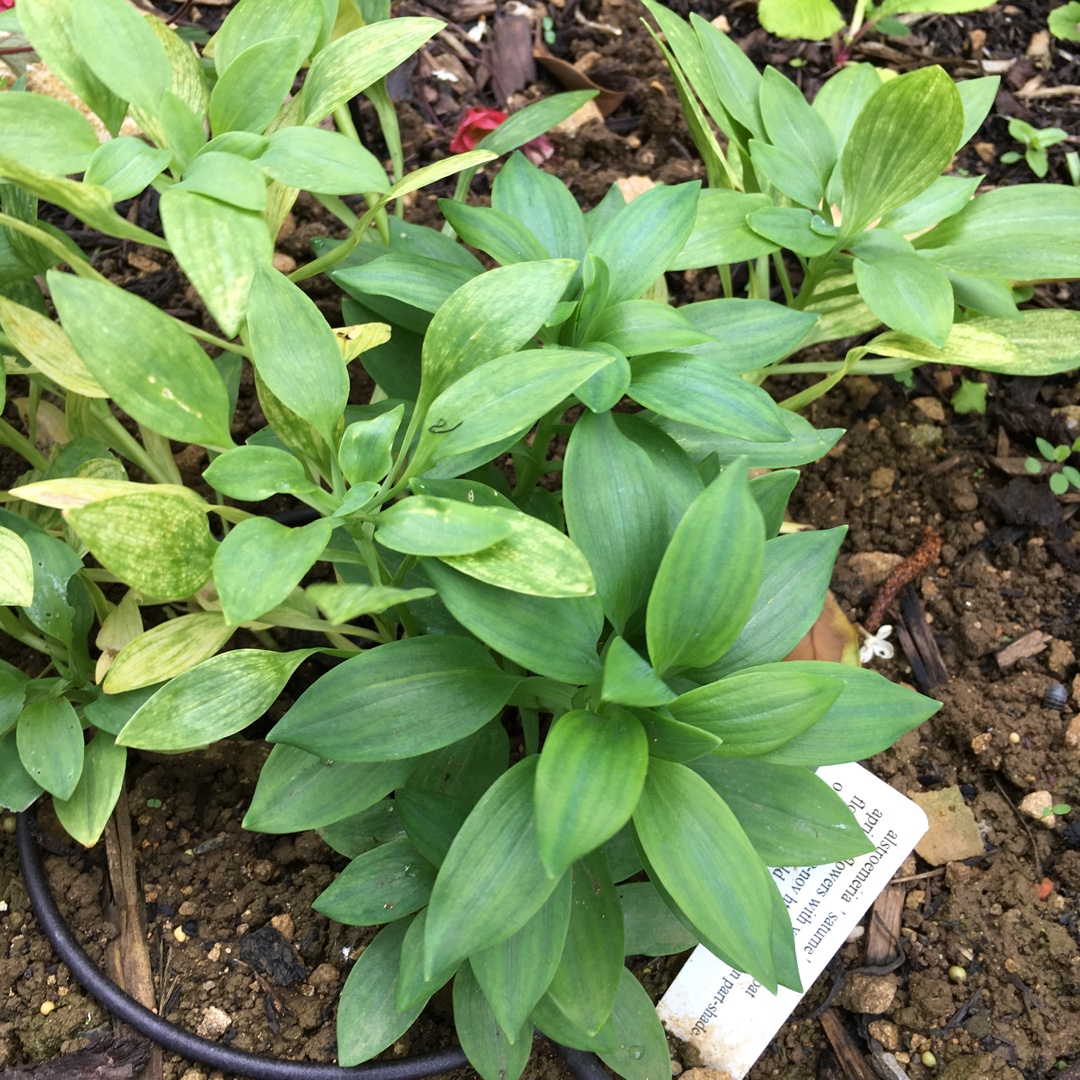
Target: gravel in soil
x,y
254,966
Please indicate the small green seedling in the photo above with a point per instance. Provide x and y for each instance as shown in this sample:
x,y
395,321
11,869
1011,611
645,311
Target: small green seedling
x,y
1058,809
1059,481
1037,141
970,397
1064,22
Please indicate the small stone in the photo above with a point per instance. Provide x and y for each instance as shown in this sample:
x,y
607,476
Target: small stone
x,y
1059,656
928,1059
179,935
1038,806
873,567
47,1007
701,1073
214,1023
966,501
931,408
957,974
214,955
324,978
1014,738
633,186
958,873
1072,733
981,743
953,834
869,993
263,870
882,479
188,908
285,263
284,925
585,115
886,1033
926,435
193,1074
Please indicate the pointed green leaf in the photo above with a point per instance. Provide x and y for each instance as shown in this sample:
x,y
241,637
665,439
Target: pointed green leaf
x,y
673,740
353,835
587,784
492,880
464,769
45,133
253,21
649,926
368,1017
153,371
870,714
125,166
167,650
736,80
432,819
385,884
213,700
219,247
157,543
260,562
515,973
298,791
811,20
254,473
719,541
720,233
50,741
908,293
253,87
398,700
412,987
17,788
323,161
84,815
563,1029
16,570
642,1050
497,234
343,603
296,352
634,327
424,525
758,709
491,1052
713,873
790,175
791,123
555,637
229,178
771,491
792,227
903,139
629,680
792,817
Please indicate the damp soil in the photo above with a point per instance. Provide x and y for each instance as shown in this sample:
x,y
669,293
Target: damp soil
x,y
237,950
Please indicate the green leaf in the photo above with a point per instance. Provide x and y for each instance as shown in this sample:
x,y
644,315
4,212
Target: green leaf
x,y
158,543
366,448
412,986
645,239
694,389
125,166
1064,22
368,1017
253,87
794,580
500,398
219,247
229,178
253,21
842,98
296,352
167,650
398,700
350,64
50,741
713,873
758,709
946,196
587,980
622,538
672,740
1027,232
642,1050
870,714
411,285
811,20
361,832
424,525
792,227
903,139
122,50
46,134
515,973
48,25
644,326
736,79
650,928
790,175
494,1054
720,233
432,819
498,234
323,161
587,784
543,204
343,603
753,332
382,885
719,541
792,817
16,570
553,637
557,1026
493,880
629,680
467,768
17,788
12,695
154,371
54,564
510,304
254,473
534,558
771,491
298,791
791,123
908,293
213,700
84,815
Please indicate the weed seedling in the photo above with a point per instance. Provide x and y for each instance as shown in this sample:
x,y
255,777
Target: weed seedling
x,y
1036,141
1054,455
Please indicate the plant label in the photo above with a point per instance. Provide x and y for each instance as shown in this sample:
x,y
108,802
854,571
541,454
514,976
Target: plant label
x,y
726,1014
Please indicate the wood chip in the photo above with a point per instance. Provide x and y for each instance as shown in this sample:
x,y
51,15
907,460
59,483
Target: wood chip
x,y
1049,91
1029,644
851,1058
883,940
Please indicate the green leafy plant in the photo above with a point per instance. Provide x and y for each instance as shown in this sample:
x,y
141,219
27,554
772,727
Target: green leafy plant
x,y
1055,455
845,202
1036,141
1064,21
1058,809
816,20
538,689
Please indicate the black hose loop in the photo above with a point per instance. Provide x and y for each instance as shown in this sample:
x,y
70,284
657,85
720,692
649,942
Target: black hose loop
x,y
185,1043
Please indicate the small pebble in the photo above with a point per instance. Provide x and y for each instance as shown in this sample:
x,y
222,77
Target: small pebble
x,y
179,934
928,1059
1014,738
9,825
47,1007
957,974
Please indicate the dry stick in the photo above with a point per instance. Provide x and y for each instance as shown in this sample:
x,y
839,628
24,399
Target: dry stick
x,y
925,555
1031,835
918,877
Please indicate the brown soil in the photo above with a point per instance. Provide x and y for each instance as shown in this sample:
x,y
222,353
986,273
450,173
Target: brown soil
x,y
1009,565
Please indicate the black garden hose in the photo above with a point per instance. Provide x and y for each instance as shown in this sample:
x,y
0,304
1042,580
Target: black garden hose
x,y
195,1048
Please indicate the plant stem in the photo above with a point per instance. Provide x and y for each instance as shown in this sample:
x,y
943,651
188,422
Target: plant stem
x,y
10,625
22,446
860,367
725,281
81,266
857,17
530,728
782,276
114,434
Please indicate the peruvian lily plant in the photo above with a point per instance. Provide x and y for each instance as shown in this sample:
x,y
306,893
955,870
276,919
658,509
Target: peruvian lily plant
x,y
557,724
845,202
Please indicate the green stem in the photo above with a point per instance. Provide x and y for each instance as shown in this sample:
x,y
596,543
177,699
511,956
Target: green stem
x,y
336,205
22,446
11,626
782,275
80,265
857,18
725,281
159,450
861,367
211,339
333,257
115,435
530,727
815,272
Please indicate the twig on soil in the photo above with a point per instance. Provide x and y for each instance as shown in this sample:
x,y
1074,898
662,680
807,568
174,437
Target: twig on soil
x,y
1031,835
918,877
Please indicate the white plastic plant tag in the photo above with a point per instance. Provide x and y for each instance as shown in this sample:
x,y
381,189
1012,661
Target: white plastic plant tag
x,y
727,1015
